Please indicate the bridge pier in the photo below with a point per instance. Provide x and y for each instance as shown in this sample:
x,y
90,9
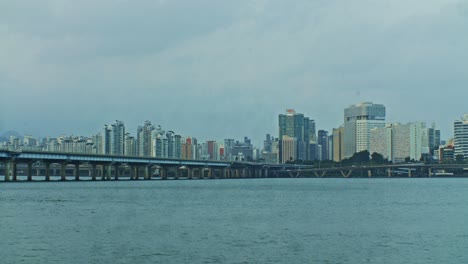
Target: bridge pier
x,y
77,172
29,173
369,173
109,172
389,172
430,172
63,167
409,173
116,172
163,173
93,172
14,171
47,171
7,171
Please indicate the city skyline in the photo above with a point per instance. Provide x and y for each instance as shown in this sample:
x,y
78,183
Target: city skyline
x,y
226,69
134,130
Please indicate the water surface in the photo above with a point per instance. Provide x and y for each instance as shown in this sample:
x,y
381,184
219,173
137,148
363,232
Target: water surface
x,y
236,221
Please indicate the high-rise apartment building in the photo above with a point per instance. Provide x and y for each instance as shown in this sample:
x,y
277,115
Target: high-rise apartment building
x,y
144,139
187,148
114,138
461,137
358,121
130,145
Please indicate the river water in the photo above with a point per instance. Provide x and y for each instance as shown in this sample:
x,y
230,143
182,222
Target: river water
x,y
236,221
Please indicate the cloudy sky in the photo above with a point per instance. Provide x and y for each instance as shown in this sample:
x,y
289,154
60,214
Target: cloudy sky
x,y
216,69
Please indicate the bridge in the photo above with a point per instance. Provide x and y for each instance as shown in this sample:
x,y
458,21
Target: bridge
x,y
44,165
105,167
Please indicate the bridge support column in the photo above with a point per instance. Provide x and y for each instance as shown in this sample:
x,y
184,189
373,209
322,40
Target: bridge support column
x,y
210,173
109,172
369,173
77,172
63,176
30,171
189,173
430,172
93,172
409,173
116,172
102,172
14,170
47,171
7,171
163,173
146,176
389,172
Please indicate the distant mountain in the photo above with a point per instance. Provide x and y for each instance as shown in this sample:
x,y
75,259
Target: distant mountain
x,y
6,136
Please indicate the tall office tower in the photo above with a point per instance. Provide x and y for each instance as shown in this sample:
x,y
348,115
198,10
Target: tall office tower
x,y
289,148
433,135
295,125
330,147
312,131
268,144
322,140
461,136
130,145
338,144
358,121
144,139
228,147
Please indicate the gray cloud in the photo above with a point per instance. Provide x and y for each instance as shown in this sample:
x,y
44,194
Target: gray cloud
x,y
217,69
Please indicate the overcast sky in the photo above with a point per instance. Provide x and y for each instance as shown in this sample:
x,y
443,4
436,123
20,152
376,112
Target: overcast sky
x,y
224,69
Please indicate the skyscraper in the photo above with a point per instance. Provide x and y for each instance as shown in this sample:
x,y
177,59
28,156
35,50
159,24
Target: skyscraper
x,y
144,139
114,138
296,126
322,140
461,136
338,144
358,121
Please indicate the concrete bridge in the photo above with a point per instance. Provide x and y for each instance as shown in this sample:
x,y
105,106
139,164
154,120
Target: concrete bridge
x,y
104,167
381,170
47,165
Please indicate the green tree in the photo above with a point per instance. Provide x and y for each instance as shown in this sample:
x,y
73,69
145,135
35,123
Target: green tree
x,y
377,158
361,157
